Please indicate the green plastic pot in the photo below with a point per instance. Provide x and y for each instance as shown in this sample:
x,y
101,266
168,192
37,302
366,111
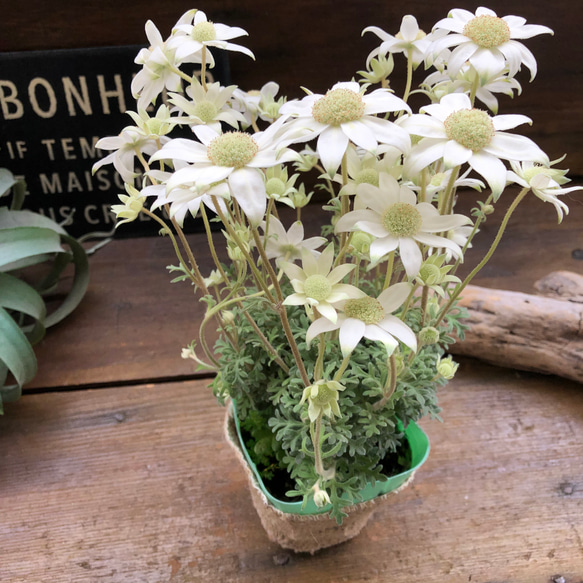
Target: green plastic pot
x,y
415,436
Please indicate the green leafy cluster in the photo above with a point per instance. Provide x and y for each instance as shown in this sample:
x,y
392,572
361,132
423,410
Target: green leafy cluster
x,y
28,239
357,442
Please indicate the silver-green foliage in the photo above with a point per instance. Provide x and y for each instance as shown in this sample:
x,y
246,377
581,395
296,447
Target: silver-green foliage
x,y
355,443
28,239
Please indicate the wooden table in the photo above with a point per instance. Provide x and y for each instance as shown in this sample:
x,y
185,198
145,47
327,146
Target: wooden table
x,y
114,468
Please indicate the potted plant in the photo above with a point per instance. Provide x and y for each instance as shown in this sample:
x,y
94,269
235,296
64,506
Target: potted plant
x,y
330,347
34,254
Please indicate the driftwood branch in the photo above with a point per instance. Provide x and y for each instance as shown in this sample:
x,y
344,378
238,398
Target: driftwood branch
x,y
528,332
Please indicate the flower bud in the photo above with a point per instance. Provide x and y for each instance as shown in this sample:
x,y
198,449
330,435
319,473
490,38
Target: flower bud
x,y
488,209
447,368
429,335
321,498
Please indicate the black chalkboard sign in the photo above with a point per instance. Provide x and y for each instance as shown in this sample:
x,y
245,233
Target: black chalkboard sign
x,y
54,106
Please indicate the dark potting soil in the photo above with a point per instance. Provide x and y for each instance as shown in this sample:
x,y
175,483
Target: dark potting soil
x,y
278,482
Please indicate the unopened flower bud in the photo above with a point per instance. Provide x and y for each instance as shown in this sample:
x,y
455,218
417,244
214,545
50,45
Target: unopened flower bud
x,y
321,498
488,209
447,368
429,335
228,317
361,241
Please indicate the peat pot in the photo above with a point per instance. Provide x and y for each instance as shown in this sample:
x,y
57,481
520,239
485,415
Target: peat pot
x,y
309,529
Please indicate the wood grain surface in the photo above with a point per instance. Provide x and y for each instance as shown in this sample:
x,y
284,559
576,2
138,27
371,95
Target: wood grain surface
x,y
315,44
136,484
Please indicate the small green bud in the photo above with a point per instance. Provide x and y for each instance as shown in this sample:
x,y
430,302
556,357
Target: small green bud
x,y
488,209
321,498
447,368
228,317
429,335
361,241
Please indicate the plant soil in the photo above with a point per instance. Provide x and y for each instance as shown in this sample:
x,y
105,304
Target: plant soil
x,y
277,481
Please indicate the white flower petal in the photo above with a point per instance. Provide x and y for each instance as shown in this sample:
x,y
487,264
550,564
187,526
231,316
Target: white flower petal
x,y
248,189
509,121
332,144
515,147
318,327
394,296
492,169
351,333
377,334
411,256
360,135
394,326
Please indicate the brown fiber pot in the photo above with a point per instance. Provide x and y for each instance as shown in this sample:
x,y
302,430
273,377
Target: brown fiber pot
x,y
302,533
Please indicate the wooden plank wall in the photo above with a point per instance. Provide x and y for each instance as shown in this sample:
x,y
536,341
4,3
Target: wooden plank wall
x,y
315,44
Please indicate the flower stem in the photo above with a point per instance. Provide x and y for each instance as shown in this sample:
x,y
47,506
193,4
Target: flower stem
x,y
390,385
281,308
316,434
460,287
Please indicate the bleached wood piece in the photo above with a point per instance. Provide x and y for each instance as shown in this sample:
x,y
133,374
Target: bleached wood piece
x,y
564,285
524,331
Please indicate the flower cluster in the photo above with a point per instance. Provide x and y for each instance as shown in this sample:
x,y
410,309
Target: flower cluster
x,y
383,271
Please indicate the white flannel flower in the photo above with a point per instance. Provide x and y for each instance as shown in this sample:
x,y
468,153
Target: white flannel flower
x,y
486,41
317,285
234,156
440,84
322,399
455,132
410,38
189,40
184,197
158,72
399,222
545,182
125,146
439,181
258,103
288,245
365,168
132,205
346,115
369,318
460,236
206,107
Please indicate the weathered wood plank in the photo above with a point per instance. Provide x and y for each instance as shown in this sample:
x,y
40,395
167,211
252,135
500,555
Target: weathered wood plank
x,y
136,484
296,46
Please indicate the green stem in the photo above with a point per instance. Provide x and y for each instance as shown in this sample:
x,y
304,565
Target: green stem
x,y
460,287
389,273
342,368
390,385
281,308
316,434
409,75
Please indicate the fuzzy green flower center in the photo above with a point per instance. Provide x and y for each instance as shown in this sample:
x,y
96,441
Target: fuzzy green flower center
x,y
233,150
471,128
204,32
338,106
275,187
487,31
402,220
205,111
367,309
317,287
324,396
367,176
